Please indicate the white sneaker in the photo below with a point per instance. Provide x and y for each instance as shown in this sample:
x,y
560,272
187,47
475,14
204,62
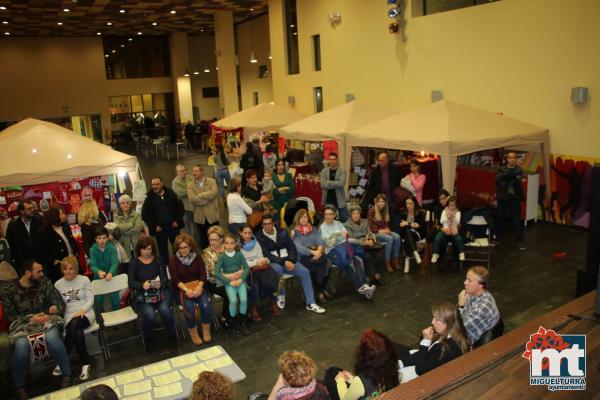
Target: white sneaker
x,y
85,372
417,257
56,371
364,289
406,265
281,301
434,258
371,292
315,308
461,256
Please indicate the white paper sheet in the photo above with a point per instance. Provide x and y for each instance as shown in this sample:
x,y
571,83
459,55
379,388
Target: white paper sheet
x,y
130,377
166,379
168,390
137,387
156,369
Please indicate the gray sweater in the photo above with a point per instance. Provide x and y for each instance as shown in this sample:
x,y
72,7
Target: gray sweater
x,y
357,232
77,295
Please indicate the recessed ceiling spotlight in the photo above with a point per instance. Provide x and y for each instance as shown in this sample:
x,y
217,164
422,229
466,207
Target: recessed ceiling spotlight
x,y
69,156
106,55
139,33
114,51
122,11
122,45
5,22
59,23
99,33
66,10
130,39
2,8
154,23
252,9
109,23
173,12
7,33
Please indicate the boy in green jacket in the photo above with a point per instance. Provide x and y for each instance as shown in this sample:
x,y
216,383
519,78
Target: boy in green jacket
x,y
104,263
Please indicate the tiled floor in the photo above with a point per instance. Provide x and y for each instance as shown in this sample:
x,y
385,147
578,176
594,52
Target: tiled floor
x,y
524,283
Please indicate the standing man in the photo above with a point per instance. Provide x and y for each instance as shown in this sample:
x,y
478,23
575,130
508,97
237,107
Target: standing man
x,y
333,183
202,193
179,185
477,305
163,214
32,302
22,233
509,195
384,179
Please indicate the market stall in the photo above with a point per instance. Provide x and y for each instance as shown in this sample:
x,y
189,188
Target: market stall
x,y
55,167
325,132
451,129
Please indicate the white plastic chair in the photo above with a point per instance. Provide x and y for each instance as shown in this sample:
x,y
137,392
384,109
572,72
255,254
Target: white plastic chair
x,y
115,317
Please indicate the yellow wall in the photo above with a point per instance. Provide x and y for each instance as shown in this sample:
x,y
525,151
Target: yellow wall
x,y
202,53
254,34
519,57
39,76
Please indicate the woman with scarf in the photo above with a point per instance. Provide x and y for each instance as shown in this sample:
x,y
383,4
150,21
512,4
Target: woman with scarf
x,y
188,277
296,380
262,280
311,248
342,254
211,256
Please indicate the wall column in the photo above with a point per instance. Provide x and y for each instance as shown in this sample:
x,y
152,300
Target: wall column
x,y
182,88
225,51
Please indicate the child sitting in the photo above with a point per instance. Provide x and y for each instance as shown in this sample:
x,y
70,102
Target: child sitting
x,y
232,270
450,221
104,263
267,189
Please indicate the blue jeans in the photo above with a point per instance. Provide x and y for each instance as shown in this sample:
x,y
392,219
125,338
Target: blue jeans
x,y
203,302
233,293
441,239
343,214
221,175
392,244
56,348
235,227
355,269
148,314
304,274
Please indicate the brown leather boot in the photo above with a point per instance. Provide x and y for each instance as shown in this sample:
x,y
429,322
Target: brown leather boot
x,y
206,333
388,266
254,314
274,309
194,336
395,263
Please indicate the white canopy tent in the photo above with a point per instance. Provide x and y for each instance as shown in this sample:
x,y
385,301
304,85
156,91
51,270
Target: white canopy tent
x,y
335,123
264,116
35,152
451,129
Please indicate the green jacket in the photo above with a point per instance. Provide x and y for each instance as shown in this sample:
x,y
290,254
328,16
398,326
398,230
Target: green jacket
x,y
229,265
18,307
106,260
131,227
179,186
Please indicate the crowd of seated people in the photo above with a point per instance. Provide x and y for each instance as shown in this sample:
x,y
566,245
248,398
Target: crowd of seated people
x,y
243,267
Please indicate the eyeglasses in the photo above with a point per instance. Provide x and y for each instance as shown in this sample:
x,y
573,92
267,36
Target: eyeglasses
x,y
213,240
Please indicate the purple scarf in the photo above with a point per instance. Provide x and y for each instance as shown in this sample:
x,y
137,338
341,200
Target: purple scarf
x,y
293,393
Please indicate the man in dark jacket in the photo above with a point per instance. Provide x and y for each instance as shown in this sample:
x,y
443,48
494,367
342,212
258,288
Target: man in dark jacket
x,y
280,249
384,178
250,160
22,233
33,301
509,195
163,214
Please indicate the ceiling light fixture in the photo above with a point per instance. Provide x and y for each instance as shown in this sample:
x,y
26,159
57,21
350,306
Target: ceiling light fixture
x,y
154,23
122,11
270,57
114,51
196,72
109,23
122,45
34,150
186,73
5,22
206,69
139,33
99,33
7,33
173,12
66,10
253,59
252,9
2,8
59,23
69,156
106,55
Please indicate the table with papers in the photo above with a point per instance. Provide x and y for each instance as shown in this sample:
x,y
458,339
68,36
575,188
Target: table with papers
x,y
169,379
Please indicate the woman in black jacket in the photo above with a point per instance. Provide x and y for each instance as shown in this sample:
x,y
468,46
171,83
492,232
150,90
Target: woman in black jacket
x,y
55,242
442,342
412,229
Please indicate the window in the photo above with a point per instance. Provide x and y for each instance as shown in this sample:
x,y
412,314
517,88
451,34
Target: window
x,y
316,42
436,6
255,98
318,99
263,72
136,57
291,36
210,92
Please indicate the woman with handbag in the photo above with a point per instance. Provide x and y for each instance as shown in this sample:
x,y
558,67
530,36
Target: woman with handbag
x,y
188,277
412,229
360,234
343,254
262,280
311,248
148,280
211,256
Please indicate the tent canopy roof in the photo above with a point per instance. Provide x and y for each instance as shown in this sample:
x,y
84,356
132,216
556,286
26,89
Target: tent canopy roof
x,y
447,128
35,152
336,122
261,116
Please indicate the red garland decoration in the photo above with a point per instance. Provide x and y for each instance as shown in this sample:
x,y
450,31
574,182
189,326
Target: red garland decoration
x,y
544,339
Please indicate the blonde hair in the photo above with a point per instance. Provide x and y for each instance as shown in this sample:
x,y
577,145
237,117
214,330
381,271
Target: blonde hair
x,y
88,212
386,209
216,229
297,368
448,313
299,214
187,239
69,260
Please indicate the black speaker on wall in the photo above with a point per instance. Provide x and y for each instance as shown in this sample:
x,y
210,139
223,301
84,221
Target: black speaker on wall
x,y
588,279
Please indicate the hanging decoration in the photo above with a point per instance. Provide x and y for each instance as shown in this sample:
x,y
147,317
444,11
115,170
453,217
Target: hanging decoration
x,y
396,13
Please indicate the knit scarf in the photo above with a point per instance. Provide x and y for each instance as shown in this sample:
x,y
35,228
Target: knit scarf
x,y
304,229
293,393
187,260
249,245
